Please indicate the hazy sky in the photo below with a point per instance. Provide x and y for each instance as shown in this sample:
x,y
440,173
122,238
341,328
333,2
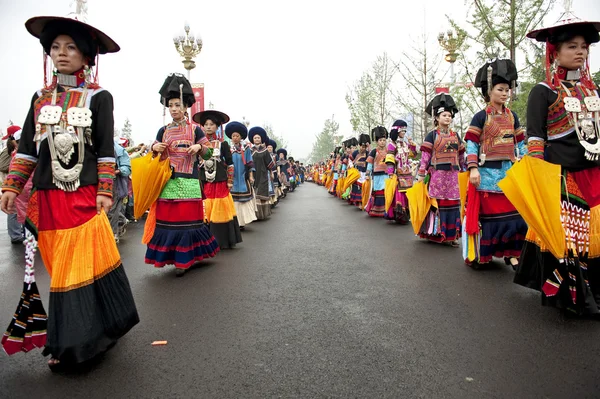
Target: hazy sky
x,y
273,61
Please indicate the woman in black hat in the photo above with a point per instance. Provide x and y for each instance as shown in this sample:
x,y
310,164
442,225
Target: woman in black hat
x,y
68,135
359,157
243,174
495,140
562,129
272,147
180,236
400,153
377,171
283,171
216,175
263,163
442,158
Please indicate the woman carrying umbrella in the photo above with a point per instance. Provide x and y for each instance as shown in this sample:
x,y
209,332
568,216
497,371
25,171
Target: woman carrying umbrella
x,y
243,174
442,158
377,171
360,163
180,236
216,175
263,163
272,147
494,142
562,128
68,135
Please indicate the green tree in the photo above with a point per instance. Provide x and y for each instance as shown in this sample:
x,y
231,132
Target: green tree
x,y
325,141
503,25
383,72
596,77
361,104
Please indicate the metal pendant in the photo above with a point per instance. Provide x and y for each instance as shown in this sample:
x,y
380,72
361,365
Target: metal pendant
x,y
64,147
592,104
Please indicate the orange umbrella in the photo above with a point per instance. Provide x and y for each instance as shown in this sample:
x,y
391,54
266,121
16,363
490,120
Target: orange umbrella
x,y
419,204
533,186
149,175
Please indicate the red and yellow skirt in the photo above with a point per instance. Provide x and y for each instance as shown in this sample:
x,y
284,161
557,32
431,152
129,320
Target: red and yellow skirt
x,y
219,213
91,304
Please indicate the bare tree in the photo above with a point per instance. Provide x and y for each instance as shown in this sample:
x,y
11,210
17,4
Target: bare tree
x,y
418,69
383,72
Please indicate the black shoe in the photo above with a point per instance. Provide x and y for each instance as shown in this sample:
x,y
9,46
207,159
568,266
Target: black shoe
x,y
179,272
17,241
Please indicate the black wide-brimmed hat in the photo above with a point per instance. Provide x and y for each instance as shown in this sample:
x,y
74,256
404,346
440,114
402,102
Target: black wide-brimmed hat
x,y
502,71
236,127
441,103
257,130
218,117
364,139
567,22
177,86
37,26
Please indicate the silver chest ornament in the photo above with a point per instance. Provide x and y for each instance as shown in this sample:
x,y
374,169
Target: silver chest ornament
x,y
62,137
586,121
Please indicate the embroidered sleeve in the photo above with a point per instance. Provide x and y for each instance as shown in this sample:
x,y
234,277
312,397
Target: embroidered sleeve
x,y
21,168
371,157
106,176
476,128
535,147
200,138
472,154
424,165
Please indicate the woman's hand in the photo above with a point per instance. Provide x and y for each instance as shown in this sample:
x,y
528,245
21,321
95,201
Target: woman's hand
x,y
7,204
102,202
193,150
474,177
159,147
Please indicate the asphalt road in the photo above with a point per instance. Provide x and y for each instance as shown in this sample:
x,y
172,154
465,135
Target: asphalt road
x,y
321,301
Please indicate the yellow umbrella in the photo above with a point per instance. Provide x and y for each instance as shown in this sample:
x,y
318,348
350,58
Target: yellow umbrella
x,y
366,192
391,187
419,204
533,187
148,177
351,178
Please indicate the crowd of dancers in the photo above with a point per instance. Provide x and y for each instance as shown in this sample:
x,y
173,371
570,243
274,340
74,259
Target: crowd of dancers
x,y
531,198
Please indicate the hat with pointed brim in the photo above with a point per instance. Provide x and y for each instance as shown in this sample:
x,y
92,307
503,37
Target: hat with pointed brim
x,y
36,26
214,115
567,20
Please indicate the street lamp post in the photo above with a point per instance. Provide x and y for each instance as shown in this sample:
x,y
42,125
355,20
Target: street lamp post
x,y
188,47
451,42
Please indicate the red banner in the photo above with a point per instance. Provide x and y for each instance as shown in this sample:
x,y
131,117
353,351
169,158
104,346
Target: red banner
x,y
198,89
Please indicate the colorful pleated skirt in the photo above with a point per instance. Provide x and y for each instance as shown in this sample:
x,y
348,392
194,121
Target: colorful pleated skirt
x,y
220,214
180,237
91,304
376,206
245,206
442,224
502,232
573,283
355,194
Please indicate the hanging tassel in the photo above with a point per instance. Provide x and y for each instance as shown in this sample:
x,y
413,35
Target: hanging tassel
x,y
489,79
